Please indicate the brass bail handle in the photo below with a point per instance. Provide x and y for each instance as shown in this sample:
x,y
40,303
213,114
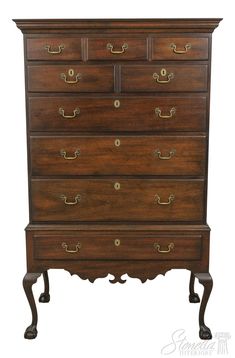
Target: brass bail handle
x,y
187,47
168,202
171,154
64,155
163,74
66,247
71,74
169,249
159,114
110,47
77,199
54,52
76,112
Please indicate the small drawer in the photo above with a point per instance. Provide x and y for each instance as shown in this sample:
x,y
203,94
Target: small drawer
x,y
104,246
162,113
164,78
54,48
115,199
117,48
64,78
118,155
179,48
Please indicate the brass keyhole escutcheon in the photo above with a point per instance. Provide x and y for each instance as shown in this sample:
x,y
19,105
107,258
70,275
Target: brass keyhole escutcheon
x,y
117,103
117,142
117,186
71,72
117,242
163,72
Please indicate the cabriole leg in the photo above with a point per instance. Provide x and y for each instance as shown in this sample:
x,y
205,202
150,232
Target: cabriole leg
x,y
193,296
28,281
206,280
45,296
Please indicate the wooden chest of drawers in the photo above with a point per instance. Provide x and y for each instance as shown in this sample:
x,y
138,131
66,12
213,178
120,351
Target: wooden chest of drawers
x,y
117,126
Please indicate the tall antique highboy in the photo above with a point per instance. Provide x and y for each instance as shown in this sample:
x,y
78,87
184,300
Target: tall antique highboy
x,y
117,133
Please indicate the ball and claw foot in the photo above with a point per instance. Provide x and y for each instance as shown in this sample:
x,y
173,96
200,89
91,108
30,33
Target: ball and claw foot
x,y
31,332
44,297
205,332
194,298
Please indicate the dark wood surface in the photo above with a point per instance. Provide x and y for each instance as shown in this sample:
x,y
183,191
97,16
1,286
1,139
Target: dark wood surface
x,y
134,113
118,155
148,97
99,200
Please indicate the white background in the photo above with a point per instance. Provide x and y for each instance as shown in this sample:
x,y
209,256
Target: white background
x,y
100,319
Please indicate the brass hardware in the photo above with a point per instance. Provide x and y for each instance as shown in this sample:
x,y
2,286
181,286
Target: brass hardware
x,y
163,72
109,46
76,111
186,48
117,186
78,76
156,76
77,200
158,154
159,202
117,142
63,154
77,248
117,103
159,114
54,52
158,248
117,242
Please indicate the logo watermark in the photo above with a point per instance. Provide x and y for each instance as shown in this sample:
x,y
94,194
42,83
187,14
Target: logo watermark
x,y
179,343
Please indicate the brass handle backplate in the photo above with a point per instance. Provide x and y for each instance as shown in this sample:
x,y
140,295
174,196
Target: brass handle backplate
x,y
159,202
158,154
180,52
110,47
158,248
71,74
77,248
76,112
54,52
163,74
159,114
63,154
77,200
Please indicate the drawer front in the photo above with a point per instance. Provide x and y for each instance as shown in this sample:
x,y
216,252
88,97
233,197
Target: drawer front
x,y
117,49
104,246
64,78
118,114
54,48
116,199
165,78
179,48
124,155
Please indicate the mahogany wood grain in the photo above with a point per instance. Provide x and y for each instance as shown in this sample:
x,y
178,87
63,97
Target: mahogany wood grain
x,y
46,78
134,155
99,200
139,78
162,50
134,113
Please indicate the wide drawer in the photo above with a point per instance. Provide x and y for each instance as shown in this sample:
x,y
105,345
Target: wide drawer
x,y
179,48
64,78
106,246
118,113
116,199
124,155
164,78
54,48
117,48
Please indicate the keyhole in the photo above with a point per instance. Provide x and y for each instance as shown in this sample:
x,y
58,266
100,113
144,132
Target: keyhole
x,y
71,72
163,72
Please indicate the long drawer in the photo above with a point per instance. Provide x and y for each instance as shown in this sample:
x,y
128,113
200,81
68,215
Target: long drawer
x,y
116,199
70,78
94,114
124,155
106,246
164,78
